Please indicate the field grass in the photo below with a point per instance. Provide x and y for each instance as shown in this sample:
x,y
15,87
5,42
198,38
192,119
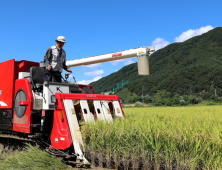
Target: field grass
x,y
30,159
161,137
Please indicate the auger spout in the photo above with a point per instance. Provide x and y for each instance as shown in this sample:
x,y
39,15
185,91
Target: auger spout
x,y
142,54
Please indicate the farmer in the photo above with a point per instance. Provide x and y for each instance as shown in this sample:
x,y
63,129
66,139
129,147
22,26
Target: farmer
x,y
55,61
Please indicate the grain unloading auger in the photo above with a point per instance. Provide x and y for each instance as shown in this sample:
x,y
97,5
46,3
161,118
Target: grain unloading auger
x,y
52,113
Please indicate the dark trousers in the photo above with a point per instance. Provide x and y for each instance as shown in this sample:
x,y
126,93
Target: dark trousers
x,y
53,76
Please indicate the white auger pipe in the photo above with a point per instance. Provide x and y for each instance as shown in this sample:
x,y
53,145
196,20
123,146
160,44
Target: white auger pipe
x,y
142,53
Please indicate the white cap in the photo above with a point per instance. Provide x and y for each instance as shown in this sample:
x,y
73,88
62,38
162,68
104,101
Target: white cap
x,y
61,39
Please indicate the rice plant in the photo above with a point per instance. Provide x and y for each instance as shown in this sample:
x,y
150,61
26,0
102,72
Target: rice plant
x,y
182,137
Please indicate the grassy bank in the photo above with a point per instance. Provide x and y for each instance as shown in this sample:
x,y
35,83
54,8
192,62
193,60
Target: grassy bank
x,y
183,137
30,159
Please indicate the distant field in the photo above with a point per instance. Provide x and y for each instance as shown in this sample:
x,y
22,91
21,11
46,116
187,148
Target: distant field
x,y
160,137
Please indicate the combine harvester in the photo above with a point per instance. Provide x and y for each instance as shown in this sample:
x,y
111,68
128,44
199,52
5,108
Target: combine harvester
x,y
51,114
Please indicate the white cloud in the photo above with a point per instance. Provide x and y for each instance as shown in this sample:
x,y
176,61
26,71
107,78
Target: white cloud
x,y
128,61
94,73
159,43
191,33
115,62
93,66
89,81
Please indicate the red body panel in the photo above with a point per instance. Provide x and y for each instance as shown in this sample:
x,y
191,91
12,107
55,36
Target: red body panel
x,y
60,135
9,71
23,124
23,66
7,84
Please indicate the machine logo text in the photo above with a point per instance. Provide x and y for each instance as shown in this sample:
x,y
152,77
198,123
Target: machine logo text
x,y
91,95
116,54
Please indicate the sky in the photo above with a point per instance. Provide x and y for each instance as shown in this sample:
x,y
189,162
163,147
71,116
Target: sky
x,y
95,27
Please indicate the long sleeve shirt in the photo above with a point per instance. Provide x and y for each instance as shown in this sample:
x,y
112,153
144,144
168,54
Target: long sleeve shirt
x,y
58,62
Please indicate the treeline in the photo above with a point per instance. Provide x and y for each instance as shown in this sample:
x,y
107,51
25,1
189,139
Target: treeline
x,y
164,98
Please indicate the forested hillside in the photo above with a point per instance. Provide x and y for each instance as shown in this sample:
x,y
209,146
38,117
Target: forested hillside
x,y
190,67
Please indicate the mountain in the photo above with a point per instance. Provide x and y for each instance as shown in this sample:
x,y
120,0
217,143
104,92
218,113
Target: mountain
x,y
189,67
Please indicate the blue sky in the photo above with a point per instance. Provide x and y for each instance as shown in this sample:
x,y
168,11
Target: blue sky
x,y
94,27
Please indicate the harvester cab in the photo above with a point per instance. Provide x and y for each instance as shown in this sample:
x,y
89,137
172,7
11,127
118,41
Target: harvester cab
x,y
52,113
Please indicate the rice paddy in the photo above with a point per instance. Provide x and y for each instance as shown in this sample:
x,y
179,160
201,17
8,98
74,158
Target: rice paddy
x,y
158,138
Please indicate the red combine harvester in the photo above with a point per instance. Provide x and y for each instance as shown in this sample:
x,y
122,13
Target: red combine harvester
x,y
52,113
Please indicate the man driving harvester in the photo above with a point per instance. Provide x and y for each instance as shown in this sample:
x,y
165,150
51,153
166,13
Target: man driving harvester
x,y
55,61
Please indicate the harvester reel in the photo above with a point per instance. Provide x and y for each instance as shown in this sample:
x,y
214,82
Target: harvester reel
x,y
20,96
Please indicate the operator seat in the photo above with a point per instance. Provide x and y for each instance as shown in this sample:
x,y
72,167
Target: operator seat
x,y
36,78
